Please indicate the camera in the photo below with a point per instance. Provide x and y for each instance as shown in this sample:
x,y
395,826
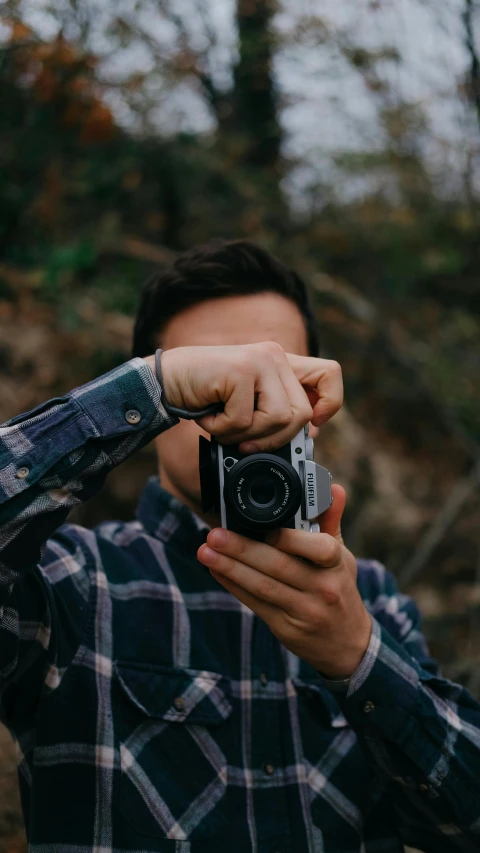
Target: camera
x,y
262,491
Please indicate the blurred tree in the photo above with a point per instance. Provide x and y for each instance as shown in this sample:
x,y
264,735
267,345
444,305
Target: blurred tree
x,y
473,83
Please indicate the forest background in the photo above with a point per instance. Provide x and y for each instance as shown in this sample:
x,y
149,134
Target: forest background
x,y
343,136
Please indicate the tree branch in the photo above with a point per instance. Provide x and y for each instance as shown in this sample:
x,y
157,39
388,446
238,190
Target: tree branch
x,y
440,524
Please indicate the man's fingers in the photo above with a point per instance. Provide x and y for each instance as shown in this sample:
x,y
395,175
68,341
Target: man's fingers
x,y
238,411
319,548
269,395
301,412
258,410
263,609
257,583
324,376
276,562
273,408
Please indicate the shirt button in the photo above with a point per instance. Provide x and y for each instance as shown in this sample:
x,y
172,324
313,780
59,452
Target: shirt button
x,y
22,473
268,769
368,707
179,703
263,679
133,417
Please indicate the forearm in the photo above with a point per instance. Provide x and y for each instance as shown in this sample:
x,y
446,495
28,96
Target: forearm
x,y
59,455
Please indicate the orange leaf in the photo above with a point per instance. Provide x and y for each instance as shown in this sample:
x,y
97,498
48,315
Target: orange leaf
x,y
20,32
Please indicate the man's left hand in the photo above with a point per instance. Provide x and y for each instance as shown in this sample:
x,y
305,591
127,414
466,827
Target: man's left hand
x,y
312,605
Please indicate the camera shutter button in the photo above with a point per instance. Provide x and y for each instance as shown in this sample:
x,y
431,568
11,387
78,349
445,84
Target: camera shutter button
x,y
309,449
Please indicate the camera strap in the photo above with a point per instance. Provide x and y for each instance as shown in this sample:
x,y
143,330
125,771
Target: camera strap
x,y
214,409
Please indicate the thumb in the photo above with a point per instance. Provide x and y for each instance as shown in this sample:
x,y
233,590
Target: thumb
x,y
331,518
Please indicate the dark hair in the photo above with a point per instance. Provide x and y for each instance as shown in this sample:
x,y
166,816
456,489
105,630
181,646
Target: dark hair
x,y
212,271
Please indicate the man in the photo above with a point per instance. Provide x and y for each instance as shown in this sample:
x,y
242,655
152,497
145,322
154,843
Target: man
x,y
172,686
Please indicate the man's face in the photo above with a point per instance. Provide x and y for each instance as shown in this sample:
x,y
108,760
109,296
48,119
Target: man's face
x,y
220,322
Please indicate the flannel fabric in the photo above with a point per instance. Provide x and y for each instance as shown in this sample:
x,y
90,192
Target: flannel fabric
x,y
152,711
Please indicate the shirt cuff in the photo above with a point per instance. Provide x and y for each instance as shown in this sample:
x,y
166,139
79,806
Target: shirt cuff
x,y
126,399
383,689
337,685
341,685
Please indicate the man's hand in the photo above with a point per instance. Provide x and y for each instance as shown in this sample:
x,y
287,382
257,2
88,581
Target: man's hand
x,y
312,605
268,395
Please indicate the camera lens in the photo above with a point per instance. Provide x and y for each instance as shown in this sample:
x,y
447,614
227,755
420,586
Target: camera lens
x,y
262,491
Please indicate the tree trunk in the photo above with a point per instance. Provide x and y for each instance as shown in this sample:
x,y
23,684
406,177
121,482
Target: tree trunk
x,y
255,95
473,86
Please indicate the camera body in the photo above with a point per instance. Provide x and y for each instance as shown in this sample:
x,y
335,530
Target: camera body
x,y
263,491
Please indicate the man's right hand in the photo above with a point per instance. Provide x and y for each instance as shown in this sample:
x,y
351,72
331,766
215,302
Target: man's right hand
x,y
268,394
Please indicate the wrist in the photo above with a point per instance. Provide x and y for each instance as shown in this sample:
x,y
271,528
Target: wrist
x,y
343,666
170,389
150,359
165,376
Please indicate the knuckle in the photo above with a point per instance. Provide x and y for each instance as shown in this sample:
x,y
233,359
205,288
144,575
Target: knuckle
x,y
273,349
330,594
335,367
244,362
285,417
313,615
215,428
282,565
267,587
331,549
307,412
244,420
292,625
302,417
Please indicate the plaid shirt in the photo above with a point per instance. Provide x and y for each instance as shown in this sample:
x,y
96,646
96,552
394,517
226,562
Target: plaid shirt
x,y
152,711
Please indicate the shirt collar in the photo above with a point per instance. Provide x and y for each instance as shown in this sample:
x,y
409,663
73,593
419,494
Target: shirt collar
x,y
169,520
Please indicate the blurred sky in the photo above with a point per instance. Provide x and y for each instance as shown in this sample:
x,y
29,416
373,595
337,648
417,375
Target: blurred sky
x,y
325,106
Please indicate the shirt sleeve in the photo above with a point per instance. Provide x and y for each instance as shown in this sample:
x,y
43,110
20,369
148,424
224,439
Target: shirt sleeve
x,y
51,459
420,730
